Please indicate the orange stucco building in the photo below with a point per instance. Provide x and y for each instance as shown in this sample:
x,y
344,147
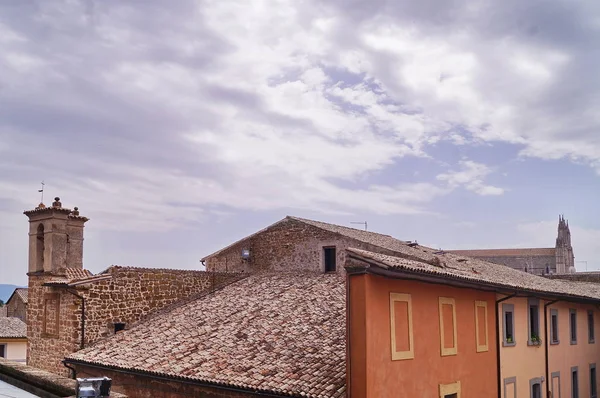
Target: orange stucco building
x,y
422,340
458,327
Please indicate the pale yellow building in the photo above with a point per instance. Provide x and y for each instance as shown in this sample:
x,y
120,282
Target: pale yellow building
x,y
13,339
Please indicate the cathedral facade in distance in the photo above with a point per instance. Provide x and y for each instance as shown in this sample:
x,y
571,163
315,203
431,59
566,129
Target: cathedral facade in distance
x,y
541,261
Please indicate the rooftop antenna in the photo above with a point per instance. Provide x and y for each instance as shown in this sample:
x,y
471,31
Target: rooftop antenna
x,y
360,222
582,262
42,191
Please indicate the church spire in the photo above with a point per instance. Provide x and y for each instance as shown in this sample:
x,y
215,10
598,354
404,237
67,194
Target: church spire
x,y
565,260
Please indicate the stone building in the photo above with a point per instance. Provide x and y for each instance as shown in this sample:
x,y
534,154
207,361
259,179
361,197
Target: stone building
x,y
16,306
540,261
330,311
69,308
299,244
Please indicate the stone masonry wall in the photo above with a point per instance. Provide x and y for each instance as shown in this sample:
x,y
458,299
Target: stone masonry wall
x,y
290,245
144,386
130,295
537,264
45,351
593,277
17,308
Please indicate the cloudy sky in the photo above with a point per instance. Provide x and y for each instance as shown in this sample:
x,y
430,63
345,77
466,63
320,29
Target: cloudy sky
x,y
180,126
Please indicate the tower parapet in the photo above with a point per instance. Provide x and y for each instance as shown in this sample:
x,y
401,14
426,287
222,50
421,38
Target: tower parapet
x,y
55,238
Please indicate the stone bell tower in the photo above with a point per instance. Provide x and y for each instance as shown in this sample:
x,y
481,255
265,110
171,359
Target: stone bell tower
x,y
55,239
55,244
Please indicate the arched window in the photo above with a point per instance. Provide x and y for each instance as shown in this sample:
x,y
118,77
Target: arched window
x,y
39,263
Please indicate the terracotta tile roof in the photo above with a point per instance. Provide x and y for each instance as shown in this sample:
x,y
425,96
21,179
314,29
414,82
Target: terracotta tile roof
x,y
280,333
20,292
528,252
23,293
77,273
452,267
12,328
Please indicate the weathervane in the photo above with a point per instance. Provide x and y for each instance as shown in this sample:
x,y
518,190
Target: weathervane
x,y
42,192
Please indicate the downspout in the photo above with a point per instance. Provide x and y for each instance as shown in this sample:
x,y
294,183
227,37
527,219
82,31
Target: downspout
x,y
73,371
82,344
548,381
498,337
348,356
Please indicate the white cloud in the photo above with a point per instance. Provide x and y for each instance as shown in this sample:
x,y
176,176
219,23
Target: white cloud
x,y
269,104
471,176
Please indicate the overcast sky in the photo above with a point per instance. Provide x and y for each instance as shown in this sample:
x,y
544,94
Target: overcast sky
x,y
181,126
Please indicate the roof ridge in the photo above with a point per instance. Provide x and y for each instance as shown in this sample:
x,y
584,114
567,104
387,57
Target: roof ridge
x,y
340,226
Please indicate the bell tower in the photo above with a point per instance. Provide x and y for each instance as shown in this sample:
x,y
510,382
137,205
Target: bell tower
x,y
55,239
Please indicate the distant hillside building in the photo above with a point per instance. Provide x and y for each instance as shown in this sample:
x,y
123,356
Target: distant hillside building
x,y
13,339
16,306
540,261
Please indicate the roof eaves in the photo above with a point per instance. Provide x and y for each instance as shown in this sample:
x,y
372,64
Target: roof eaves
x,y
239,387
443,279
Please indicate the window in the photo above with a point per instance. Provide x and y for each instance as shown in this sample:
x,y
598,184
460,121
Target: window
x,y
593,385
2,350
119,326
555,386
535,387
554,326
508,324
481,326
401,326
591,334
447,313
329,259
450,390
573,325
534,322
574,382
510,387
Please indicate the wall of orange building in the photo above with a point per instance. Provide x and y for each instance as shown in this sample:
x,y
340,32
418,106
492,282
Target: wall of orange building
x,y
381,377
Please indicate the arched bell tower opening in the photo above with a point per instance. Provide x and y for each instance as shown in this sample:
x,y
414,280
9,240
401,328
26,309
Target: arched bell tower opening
x,y
39,248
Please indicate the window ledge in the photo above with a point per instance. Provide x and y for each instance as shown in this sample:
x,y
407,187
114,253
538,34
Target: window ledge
x,y
534,344
593,341
505,344
573,342
557,342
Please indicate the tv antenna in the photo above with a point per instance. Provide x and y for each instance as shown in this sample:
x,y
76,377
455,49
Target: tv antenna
x,y
360,222
582,262
42,192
